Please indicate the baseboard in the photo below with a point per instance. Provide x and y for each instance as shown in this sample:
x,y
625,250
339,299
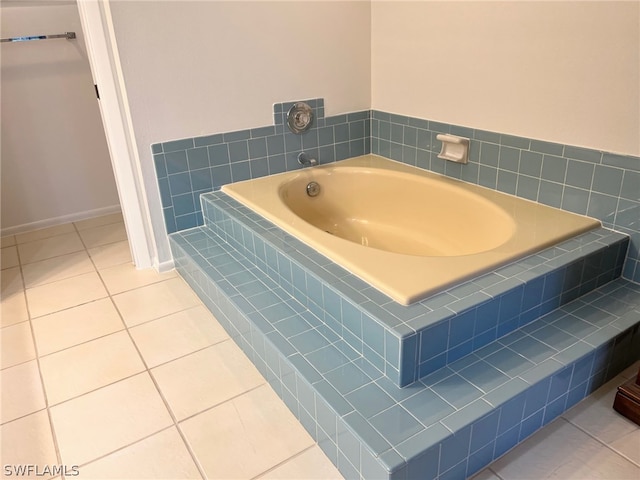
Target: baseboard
x,y
52,222
165,266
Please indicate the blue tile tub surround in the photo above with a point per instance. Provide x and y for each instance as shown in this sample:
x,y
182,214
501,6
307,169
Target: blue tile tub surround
x,y
585,181
589,182
188,167
448,425
408,343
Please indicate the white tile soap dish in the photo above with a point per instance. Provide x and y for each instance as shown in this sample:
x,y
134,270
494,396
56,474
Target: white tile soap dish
x,y
455,149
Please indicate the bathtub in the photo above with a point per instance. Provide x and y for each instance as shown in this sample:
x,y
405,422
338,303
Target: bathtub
x,y
405,231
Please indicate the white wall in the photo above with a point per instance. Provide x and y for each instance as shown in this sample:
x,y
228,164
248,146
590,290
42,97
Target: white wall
x,y
196,68
557,71
55,162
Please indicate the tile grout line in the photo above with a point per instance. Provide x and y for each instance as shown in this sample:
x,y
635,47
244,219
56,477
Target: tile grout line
x,y
269,470
601,442
153,380
37,359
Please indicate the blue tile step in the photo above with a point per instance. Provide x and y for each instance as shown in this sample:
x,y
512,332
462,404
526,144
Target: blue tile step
x,y
407,343
449,424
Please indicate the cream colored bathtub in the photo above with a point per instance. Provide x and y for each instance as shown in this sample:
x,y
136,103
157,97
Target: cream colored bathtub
x,y
408,232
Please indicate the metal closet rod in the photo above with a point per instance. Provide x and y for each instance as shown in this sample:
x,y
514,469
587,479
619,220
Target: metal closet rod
x,y
67,35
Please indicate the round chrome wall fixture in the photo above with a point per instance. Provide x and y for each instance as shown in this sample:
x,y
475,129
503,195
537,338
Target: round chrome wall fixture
x,y
299,117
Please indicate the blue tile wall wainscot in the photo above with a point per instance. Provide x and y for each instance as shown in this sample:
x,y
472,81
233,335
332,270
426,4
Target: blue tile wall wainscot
x,y
584,181
188,167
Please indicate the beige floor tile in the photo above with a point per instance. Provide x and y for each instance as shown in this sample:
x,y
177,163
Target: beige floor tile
x,y
13,309
596,416
175,335
76,325
99,221
563,451
50,247
629,445
125,277
9,257
57,268
311,464
45,233
17,345
103,235
111,255
21,391
161,456
108,419
246,436
11,279
206,378
7,241
631,371
80,369
155,301
28,441
63,294
485,474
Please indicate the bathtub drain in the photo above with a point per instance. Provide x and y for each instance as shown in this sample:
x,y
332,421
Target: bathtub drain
x,y
313,189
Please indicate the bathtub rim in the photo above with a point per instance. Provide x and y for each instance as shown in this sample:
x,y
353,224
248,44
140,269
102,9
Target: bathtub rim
x,y
409,284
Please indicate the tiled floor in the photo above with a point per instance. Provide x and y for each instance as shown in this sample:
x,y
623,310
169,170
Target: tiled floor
x,y
125,374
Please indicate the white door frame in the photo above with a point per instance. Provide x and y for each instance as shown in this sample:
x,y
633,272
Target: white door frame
x,y
97,26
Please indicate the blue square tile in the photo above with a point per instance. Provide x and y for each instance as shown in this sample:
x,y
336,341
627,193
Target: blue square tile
x,y
530,425
218,155
347,378
575,200
396,424
507,182
484,431
455,449
607,180
603,207
536,397
509,159
180,183
238,151
489,154
461,328
631,186
183,204
176,162
198,158
456,390
427,407
532,349
257,148
560,383
484,376
554,168
509,362
580,174
550,193
370,400
433,341
221,175
554,337
530,163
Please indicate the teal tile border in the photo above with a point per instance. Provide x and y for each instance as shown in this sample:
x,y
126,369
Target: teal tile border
x,y
585,181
